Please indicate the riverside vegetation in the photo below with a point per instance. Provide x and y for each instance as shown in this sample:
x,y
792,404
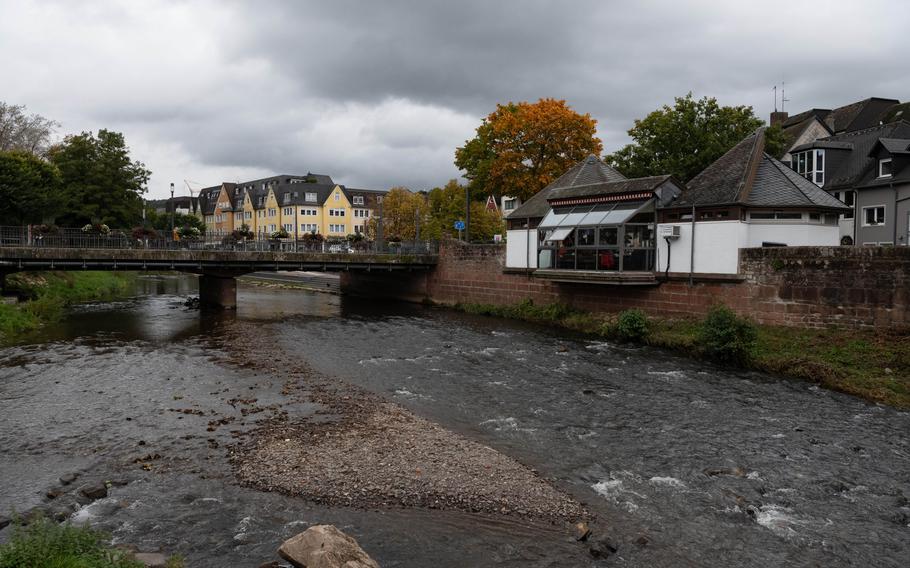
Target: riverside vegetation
x,y
871,364
47,294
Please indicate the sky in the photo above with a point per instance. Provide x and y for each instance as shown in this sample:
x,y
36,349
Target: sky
x,y
379,94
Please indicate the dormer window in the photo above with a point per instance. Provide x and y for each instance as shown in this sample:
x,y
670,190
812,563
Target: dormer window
x,y
811,165
358,200
310,197
884,168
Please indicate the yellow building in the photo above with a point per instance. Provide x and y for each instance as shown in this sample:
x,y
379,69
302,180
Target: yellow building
x,y
298,204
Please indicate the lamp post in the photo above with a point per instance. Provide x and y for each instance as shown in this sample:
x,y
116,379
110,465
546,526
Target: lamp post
x,y
467,214
379,224
173,210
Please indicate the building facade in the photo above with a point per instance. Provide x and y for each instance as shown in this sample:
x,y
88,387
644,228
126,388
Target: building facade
x,y
299,205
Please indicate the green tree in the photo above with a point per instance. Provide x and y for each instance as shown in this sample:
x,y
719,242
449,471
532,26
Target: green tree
x,y
29,189
401,208
684,139
521,147
162,221
776,142
100,181
446,205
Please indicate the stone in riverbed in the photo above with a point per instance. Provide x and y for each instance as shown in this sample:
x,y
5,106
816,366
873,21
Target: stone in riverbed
x,y
68,478
324,546
94,490
4,521
151,559
602,548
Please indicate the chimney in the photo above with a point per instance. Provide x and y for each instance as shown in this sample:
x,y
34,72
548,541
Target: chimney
x,y
778,117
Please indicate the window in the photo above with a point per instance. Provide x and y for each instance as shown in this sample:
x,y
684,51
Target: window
x,y
336,228
336,212
308,227
884,168
873,215
289,227
288,211
779,215
358,200
247,214
849,199
310,197
337,196
273,212
508,204
272,228
811,165
362,213
286,198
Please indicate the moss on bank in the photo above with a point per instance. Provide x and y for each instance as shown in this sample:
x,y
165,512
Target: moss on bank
x,y
45,295
874,365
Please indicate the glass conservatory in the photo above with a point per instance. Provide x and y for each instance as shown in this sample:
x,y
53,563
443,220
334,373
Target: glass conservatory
x,y
615,237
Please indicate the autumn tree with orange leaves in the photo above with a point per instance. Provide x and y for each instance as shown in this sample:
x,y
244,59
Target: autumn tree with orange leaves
x,y
522,147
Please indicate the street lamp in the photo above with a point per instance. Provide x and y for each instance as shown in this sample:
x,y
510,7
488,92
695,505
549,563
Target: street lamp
x,y
173,210
379,224
467,214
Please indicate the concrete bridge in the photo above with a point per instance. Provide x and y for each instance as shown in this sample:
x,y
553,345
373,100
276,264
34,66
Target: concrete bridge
x,y
218,269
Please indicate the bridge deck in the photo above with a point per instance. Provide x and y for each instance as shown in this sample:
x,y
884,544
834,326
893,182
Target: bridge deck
x,y
41,258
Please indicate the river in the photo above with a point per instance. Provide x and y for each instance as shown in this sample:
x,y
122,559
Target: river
x,y
686,464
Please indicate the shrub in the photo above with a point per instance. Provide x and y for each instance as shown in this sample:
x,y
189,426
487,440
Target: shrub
x,y
45,544
727,337
632,325
280,234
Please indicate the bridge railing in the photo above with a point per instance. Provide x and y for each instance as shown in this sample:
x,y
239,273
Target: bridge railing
x,y
33,237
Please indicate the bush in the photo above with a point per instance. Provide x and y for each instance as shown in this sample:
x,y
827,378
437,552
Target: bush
x,y
727,337
45,544
632,325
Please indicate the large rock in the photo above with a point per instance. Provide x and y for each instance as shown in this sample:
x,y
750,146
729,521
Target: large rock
x,y
324,546
94,490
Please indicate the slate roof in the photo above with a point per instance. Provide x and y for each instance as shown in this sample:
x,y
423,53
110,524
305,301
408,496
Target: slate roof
x,y
746,175
635,185
895,113
590,171
858,166
895,145
859,115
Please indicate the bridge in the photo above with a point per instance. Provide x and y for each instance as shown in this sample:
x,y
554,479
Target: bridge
x,y
218,261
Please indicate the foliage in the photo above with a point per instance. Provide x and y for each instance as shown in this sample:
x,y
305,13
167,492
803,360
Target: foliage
x,y
162,221
401,208
279,234
521,147
96,229
46,229
685,139
355,237
30,188
142,233
447,204
244,232
727,337
30,133
45,544
100,181
632,325
188,232
312,238
776,141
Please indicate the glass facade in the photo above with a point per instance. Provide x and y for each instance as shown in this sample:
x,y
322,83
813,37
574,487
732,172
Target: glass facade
x,y
605,237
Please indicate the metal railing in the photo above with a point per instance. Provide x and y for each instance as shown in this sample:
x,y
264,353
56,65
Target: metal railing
x,y
72,238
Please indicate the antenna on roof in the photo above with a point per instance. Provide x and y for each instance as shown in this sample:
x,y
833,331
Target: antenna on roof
x,y
783,95
774,90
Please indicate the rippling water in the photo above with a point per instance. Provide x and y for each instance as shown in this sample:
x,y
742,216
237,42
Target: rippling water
x,y
712,467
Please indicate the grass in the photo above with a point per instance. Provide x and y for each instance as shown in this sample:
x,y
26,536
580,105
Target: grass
x,y
871,364
47,294
45,544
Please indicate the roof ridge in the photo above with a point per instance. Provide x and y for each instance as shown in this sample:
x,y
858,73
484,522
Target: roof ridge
x,y
751,170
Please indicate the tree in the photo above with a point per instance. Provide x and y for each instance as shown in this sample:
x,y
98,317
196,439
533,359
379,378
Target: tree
x,y
446,205
400,209
162,221
26,132
776,141
521,147
29,189
100,181
685,139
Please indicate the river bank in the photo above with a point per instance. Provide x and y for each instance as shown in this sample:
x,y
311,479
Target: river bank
x,y
873,365
44,296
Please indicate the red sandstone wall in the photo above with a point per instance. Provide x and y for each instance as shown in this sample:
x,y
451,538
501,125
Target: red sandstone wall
x,y
795,286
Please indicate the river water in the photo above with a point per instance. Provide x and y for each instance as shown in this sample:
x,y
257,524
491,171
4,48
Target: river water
x,y
686,464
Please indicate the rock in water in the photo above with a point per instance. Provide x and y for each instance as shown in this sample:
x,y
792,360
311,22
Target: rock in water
x,y
68,478
94,491
324,546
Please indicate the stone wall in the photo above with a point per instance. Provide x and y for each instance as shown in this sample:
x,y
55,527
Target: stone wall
x,y
793,286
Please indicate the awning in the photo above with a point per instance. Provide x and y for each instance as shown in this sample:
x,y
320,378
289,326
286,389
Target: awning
x,y
559,234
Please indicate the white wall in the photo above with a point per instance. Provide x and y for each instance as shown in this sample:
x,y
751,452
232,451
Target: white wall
x,y
717,245
794,235
517,243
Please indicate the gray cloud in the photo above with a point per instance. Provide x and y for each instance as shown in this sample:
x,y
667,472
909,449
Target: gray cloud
x,y
380,93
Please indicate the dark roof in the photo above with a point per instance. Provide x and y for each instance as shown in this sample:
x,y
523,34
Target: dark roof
x,y
635,185
895,113
747,175
208,197
796,119
823,143
858,167
893,145
590,171
859,115
792,131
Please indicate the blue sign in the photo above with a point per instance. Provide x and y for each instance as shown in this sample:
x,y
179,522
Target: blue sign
x,y
459,225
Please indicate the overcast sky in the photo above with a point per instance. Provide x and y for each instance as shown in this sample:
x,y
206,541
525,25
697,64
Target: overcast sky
x,y
378,94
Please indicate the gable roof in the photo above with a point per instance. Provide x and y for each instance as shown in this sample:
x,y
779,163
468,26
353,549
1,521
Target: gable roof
x,y
859,115
893,145
747,175
588,172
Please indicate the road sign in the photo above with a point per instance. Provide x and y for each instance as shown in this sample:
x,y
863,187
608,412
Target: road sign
x,y
459,225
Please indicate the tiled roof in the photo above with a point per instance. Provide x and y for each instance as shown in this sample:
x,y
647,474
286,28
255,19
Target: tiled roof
x,y
635,185
746,175
895,145
590,171
859,115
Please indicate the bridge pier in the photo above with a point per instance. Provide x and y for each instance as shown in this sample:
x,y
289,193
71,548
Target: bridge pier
x,y
218,291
